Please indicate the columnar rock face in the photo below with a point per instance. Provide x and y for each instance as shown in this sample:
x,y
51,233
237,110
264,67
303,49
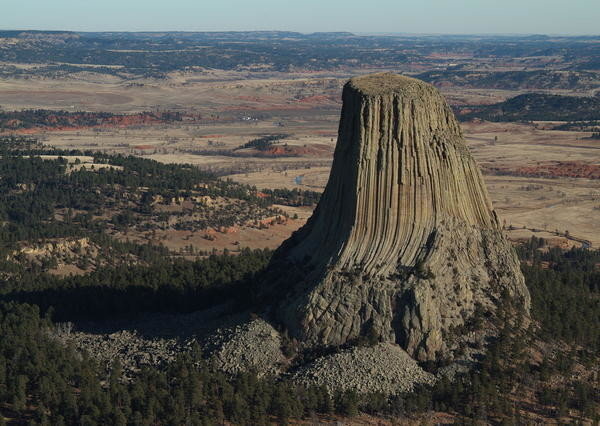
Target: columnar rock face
x,y
404,243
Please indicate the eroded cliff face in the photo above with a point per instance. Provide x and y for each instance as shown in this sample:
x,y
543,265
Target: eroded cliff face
x,y
404,243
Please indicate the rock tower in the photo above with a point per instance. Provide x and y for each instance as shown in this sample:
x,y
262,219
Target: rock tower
x,y
404,244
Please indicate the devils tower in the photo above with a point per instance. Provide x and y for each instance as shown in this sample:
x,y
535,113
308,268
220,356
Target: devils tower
x,y
404,244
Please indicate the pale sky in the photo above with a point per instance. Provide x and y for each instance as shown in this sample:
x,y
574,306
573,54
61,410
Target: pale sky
x,y
416,16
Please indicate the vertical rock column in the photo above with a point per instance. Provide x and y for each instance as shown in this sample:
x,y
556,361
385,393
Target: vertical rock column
x,y
404,242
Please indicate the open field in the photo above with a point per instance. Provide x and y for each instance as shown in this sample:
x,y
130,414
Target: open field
x,y
560,203
232,239
237,107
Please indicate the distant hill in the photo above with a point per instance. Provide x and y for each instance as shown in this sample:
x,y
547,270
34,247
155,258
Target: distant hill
x,y
49,119
155,54
514,80
535,107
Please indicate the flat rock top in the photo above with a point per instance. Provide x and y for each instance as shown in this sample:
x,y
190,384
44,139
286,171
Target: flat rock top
x,y
382,83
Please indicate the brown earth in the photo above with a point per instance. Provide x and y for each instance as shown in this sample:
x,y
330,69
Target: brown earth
x,y
564,203
81,121
313,150
572,169
53,98
269,234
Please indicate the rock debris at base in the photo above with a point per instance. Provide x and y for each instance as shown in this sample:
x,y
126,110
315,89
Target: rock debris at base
x,y
130,349
384,368
252,346
255,346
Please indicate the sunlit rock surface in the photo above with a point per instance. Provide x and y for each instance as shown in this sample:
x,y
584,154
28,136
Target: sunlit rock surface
x,y
404,244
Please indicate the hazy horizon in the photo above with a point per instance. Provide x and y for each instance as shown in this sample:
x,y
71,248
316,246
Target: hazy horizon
x,y
435,17
357,33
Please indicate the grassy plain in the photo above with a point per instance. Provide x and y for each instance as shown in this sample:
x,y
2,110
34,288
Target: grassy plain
x,y
239,106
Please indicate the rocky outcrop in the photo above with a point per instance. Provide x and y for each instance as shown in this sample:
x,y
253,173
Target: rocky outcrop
x,y
404,243
60,248
131,350
251,346
384,368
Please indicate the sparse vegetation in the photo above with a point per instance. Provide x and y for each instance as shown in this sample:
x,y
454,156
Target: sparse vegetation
x,y
48,119
580,126
536,107
40,375
56,54
513,80
595,135
263,143
45,198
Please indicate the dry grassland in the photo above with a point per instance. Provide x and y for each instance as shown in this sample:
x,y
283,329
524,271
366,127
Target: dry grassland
x,y
237,107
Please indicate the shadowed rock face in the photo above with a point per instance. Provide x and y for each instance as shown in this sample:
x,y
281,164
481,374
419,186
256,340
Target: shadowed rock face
x,y
404,243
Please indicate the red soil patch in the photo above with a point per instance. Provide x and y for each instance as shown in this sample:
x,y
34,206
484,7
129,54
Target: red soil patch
x,y
228,229
573,169
256,98
316,99
85,120
276,151
144,147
